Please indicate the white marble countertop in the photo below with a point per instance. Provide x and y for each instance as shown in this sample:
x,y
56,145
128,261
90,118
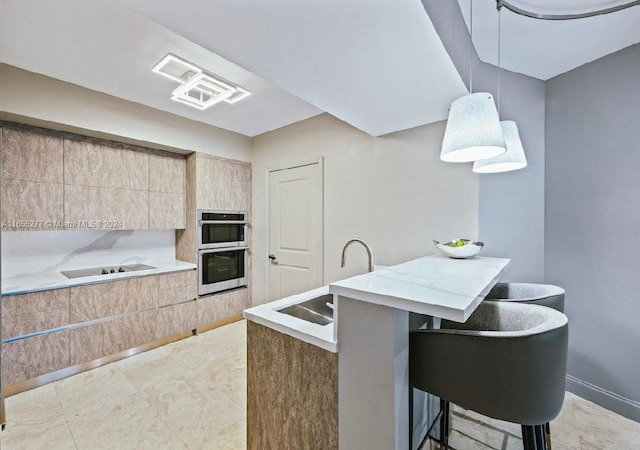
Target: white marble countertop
x,y
42,281
433,285
268,315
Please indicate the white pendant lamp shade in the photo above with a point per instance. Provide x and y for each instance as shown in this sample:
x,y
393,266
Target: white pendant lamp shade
x,y
512,159
473,130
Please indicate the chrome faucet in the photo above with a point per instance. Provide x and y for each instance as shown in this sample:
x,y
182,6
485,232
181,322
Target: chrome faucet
x,y
366,246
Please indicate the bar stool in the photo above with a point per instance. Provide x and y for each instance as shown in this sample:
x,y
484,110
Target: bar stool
x,y
507,361
538,294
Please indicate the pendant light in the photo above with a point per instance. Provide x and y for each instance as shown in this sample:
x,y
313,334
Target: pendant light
x,y
514,158
473,129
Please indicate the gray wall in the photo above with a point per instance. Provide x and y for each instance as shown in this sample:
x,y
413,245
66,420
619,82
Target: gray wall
x,y
592,223
511,217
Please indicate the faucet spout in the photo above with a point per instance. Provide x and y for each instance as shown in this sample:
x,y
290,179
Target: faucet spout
x,y
366,246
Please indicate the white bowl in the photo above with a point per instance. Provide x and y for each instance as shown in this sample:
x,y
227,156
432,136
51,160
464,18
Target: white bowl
x,y
469,249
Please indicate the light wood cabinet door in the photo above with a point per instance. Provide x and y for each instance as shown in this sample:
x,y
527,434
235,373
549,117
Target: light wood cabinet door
x,y
113,298
223,184
166,192
177,287
31,357
105,186
221,307
34,312
32,180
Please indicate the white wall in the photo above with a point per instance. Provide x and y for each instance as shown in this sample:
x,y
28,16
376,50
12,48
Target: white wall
x,y
592,222
392,191
38,97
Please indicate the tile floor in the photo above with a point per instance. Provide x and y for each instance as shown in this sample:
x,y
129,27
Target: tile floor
x,y
191,395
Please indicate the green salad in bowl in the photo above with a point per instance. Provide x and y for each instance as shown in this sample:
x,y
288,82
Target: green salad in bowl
x,y
459,248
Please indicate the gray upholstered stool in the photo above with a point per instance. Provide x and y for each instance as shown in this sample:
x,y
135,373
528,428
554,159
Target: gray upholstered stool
x,y
539,294
507,361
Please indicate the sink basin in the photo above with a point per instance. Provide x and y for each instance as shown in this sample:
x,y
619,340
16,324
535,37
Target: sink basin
x,y
314,310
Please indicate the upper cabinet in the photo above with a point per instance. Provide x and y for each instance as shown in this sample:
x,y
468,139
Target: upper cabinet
x,y
223,184
166,192
106,184
32,179
52,182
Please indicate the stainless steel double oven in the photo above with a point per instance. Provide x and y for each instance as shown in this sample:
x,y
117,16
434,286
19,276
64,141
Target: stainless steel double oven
x,y
223,250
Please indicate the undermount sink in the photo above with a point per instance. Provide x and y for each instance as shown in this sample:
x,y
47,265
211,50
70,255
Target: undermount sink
x,y
314,310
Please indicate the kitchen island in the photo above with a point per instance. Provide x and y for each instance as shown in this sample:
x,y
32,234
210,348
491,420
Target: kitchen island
x,y
370,334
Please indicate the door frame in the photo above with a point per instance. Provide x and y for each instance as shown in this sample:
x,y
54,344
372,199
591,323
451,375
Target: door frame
x,y
285,166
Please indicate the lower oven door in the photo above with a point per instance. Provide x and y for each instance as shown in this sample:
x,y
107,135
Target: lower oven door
x,y
221,269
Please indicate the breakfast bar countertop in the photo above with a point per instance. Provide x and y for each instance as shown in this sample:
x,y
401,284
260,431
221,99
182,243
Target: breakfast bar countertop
x,y
43,281
432,285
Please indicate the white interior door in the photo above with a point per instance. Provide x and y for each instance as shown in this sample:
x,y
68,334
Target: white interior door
x,y
295,230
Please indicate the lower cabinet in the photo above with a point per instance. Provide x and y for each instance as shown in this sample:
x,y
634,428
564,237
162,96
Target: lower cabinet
x,y
218,307
175,319
51,330
106,338
34,356
81,324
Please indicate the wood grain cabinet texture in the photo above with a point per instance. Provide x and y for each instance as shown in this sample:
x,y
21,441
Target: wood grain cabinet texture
x,y
292,392
106,184
219,307
34,356
69,179
95,301
31,313
37,311
32,179
104,318
222,184
178,287
166,192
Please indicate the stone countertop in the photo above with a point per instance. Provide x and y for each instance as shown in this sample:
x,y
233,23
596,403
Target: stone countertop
x,y
433,285
268,315
43,281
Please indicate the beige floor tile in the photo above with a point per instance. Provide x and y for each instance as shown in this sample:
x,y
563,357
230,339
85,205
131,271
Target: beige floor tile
x,y
514,443
36,420
128,425
508,427
478,430
594,427
100,387
460,441
192,394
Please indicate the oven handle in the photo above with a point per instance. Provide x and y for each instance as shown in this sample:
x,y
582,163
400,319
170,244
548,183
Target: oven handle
x,y
223,249
222,222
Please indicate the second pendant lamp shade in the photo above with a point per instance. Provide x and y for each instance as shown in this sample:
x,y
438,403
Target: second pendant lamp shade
x,y
512,159
473,130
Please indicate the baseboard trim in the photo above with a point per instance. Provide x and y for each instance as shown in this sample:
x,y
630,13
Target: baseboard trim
x,y
220,323
607,399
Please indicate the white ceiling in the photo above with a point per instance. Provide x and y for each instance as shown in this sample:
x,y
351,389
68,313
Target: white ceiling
x,y
544,49
104,46
376,64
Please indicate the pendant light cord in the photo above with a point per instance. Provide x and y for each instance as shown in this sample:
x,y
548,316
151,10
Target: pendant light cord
x,y
471,47
499,47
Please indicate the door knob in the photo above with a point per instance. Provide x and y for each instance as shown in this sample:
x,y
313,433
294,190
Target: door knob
x,y
272,257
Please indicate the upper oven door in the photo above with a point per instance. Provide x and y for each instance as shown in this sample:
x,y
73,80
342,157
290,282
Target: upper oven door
x,y
218,229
